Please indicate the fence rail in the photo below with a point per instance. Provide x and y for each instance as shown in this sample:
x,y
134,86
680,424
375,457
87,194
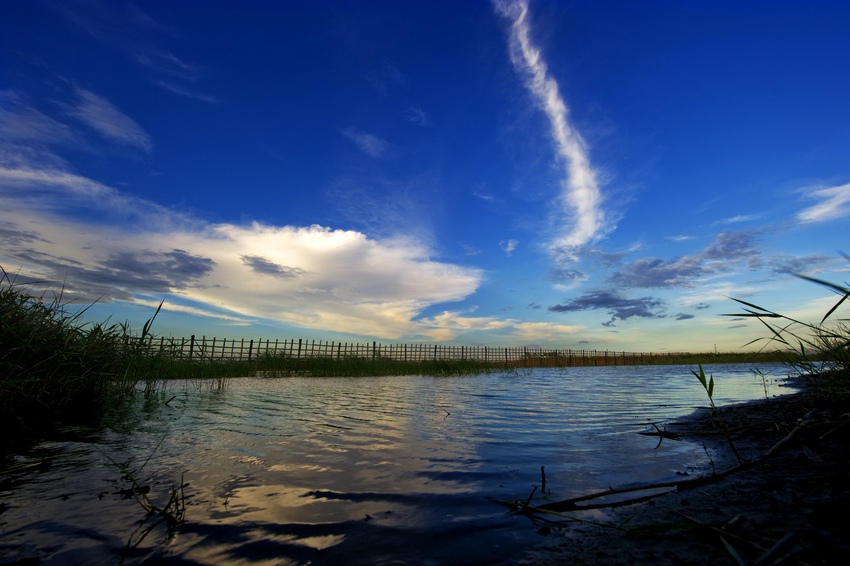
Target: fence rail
x,y
223,349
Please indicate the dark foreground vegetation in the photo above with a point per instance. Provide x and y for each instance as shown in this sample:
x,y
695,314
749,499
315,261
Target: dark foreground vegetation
x,y
53,365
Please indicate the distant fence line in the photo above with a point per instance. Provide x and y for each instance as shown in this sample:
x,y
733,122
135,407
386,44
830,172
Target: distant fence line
x,y
222,349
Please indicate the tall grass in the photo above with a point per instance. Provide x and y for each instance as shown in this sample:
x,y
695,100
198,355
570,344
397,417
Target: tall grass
x,y
51,364
820,349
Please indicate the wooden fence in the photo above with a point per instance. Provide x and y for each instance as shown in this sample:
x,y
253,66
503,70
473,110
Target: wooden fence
x,y
212,349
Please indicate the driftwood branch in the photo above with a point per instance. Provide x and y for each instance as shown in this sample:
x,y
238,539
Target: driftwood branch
x,y
572,504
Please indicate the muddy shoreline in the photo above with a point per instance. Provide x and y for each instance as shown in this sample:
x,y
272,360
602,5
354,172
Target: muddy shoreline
x,y
788,508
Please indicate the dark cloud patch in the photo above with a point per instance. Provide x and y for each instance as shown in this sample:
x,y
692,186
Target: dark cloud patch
x,y
733,246
657,273
727,249
684,316
534,306
565,275
702,306
736,326
124,274
608,259
583,342
267,267
12,237
157,271
620,308
787,265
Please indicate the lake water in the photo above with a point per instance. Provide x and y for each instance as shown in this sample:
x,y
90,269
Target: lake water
x,y
375,470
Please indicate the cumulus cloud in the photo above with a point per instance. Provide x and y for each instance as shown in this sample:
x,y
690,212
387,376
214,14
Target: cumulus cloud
x,y
448,324
308,276
369,144
835,203
617,306
106,119
581,194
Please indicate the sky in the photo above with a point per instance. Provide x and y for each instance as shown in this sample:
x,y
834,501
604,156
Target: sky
x,y
602,175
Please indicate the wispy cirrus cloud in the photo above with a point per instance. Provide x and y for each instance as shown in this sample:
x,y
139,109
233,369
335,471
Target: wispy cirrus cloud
x,y
135,33
105,118
508,246
167,63
369,144
22,123
835,203
581,194
738,219
187,92
417,116
385,77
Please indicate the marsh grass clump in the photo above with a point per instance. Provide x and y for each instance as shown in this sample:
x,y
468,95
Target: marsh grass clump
x,y
54,366
820,351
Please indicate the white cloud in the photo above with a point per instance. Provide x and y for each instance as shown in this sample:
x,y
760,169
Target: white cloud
x,y
188,93
369,144
167,63
581,194
417,116
509,246
107,120
546,332
335,280
22,123
448,324
835,203
738,218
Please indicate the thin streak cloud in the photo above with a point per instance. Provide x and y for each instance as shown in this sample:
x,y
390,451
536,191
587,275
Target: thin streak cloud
x,y
835,203
369,144
581,192
103,117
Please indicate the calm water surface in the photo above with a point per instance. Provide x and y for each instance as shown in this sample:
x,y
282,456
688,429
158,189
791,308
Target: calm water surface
x,y
375,470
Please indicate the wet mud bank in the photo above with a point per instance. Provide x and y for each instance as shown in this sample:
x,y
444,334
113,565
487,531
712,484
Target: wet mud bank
x,y
787,503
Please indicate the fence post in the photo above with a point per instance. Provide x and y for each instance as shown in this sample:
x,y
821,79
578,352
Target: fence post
x,y
250,349
191,346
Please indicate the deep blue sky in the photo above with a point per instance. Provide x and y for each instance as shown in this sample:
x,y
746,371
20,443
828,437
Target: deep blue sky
x,y
600,175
